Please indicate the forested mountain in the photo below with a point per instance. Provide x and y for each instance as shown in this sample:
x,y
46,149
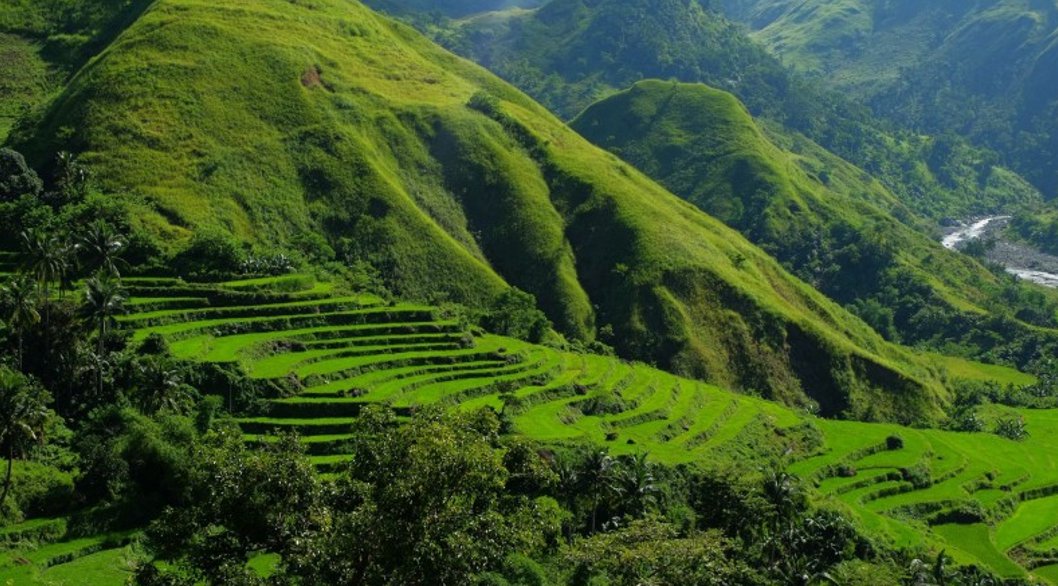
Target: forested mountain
x,y
569,53
826,220
987,71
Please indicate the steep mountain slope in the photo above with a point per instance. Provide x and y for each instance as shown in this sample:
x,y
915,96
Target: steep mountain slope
x,y
981,69
42,42
823,218
283,123
569,53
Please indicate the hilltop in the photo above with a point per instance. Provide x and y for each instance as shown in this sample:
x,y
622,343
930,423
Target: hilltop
x,y
568,54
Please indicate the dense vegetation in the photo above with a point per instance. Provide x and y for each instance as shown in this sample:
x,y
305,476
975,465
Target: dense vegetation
x,y
501,194
980,70
821,217
290,295
578,468
1039,228
570,53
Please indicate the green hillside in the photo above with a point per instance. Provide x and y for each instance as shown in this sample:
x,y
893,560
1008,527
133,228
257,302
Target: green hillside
x,y
452,185
290,294
983,499
569,53
983,70
824,219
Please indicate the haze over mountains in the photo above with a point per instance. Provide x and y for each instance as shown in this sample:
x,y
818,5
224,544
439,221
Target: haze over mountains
x,y
999,62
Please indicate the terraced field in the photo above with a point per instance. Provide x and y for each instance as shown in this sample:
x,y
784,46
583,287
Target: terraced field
x,y
981,498
58,559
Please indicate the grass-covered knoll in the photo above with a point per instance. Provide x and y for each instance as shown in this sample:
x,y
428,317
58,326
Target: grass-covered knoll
x,y
981,498
354,138
827,221
569,53
983,70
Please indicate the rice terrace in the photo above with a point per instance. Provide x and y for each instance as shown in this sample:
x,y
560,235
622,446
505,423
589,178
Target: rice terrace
x,y
528,292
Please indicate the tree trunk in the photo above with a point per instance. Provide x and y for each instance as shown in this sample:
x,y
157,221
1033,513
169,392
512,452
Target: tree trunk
x,y
20,352
99,358
7,478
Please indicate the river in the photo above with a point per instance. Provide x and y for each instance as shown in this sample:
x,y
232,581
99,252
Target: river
x,y
1018,259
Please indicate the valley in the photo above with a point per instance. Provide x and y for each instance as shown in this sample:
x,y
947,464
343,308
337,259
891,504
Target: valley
x,y
1017,258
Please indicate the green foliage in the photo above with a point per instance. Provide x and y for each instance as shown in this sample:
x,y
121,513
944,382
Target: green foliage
x,y
24,416
417,504
1012,428
514,314
211,254
647,550
16,178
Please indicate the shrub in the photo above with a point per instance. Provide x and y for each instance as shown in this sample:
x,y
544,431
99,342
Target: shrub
x,y
211,253
41,491
894,442
16,178
514,313
1012,428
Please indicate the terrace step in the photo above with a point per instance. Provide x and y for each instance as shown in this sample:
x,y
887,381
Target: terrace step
x,y
281,364
304,427
235,312
320,445
307,408
231,327
330,464
37,531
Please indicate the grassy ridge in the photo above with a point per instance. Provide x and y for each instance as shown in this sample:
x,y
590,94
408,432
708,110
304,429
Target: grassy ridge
x,y
823,218
346,125
570,53
916,494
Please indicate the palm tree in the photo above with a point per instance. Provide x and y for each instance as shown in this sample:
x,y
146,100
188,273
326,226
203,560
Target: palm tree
x,y
634,485
20,295
47,259
23,415
597,472
103,246
70,176
104,299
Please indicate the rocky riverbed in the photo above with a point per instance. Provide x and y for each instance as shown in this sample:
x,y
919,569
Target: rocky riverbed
x,y
1019,259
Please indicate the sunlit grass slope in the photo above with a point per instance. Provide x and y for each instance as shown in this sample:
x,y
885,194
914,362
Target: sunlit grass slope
x,y
807,208
980,498
277,121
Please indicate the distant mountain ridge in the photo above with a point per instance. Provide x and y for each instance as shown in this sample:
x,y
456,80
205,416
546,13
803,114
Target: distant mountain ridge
x,y
984,70
819,215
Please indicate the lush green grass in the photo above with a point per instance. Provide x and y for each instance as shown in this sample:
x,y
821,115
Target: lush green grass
x,y
341,104
975,541
110,567
560,397
87,560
